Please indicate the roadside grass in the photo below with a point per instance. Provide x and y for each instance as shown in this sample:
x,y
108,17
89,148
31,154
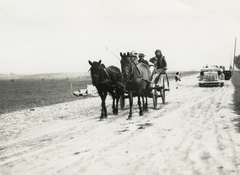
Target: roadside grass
x,y
236,96
33,92
45,89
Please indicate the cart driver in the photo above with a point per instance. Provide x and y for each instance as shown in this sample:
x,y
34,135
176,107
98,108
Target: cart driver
x,y
141,58
161,61
159,64
133,56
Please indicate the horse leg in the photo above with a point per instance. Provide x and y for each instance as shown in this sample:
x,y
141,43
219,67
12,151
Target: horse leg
x,y
143,101
145,93
131,105
104,104
146,96
104,110
118,93
113,105
103,101
146,102
113,94
139,104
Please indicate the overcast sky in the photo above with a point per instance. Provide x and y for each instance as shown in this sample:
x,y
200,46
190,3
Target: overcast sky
x,y
43,36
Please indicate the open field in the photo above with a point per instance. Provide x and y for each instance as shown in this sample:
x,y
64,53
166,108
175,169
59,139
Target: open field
x,y
29,91
38,90
236,95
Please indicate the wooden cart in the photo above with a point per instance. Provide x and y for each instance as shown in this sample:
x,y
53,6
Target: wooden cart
x,y
156,91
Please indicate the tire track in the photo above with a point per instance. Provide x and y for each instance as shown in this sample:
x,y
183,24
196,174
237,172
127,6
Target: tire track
x,y
194,130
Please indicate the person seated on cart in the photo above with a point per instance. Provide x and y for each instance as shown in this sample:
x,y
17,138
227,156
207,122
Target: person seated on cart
x,y
160,65
141,58
161,61
155,72
133,57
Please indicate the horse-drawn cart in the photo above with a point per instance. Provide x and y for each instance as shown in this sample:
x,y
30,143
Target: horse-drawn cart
x,y
156,90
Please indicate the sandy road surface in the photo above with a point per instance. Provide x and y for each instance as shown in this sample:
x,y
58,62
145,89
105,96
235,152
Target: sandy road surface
x,y
193,133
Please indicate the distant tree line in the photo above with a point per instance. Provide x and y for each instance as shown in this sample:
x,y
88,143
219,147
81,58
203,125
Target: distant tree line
x,y
237,61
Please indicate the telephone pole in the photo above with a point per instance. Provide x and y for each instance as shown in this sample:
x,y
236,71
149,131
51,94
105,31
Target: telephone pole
x,y
234,55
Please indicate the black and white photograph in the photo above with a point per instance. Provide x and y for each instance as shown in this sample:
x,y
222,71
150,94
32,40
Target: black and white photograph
x,y
119,87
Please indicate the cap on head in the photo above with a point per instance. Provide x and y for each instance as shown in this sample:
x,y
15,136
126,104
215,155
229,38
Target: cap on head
x,y
158,51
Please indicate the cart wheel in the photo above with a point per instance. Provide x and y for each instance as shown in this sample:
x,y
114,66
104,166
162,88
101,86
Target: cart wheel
x,y
122,101
162,91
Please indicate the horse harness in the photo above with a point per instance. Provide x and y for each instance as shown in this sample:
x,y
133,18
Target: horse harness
x,y
129,80
108,82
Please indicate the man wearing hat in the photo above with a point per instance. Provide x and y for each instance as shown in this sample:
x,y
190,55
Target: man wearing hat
x,y
134,59
141,58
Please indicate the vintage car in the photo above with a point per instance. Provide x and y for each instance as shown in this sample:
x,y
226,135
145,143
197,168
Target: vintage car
x,y
211,76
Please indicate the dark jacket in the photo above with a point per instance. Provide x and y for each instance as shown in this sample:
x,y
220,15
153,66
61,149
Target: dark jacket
x,y
143,61
177,78
161,62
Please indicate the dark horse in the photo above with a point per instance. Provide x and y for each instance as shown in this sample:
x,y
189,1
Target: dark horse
x,y
106,79
136,79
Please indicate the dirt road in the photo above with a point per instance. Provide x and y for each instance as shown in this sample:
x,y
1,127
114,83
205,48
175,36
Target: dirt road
x,y
193,133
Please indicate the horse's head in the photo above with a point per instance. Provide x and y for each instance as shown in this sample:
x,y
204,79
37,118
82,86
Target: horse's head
x,y
95,71
126,65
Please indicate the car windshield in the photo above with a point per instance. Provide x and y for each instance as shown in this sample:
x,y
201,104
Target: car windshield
x,y
211,70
